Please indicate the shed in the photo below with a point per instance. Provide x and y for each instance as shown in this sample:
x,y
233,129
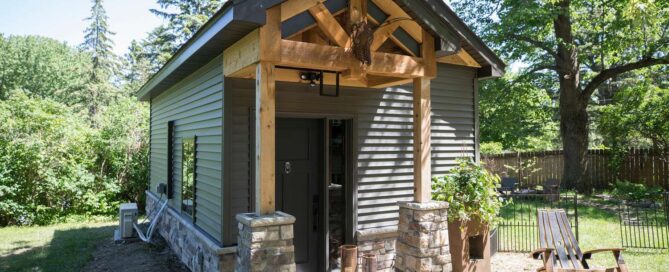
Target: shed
x,y
285,128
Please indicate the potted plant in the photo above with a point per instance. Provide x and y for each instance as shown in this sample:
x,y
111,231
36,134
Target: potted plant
x,y
474,205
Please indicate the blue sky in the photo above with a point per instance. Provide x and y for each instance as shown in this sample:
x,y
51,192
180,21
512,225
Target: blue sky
x,y
64,19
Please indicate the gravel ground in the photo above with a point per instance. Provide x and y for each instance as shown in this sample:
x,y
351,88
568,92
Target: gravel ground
x,y
514,262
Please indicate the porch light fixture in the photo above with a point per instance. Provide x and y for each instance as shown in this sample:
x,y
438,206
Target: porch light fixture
x,y
311,77
316,75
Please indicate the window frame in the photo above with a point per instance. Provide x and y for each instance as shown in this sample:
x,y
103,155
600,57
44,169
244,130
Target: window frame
x,y
184,141
170,159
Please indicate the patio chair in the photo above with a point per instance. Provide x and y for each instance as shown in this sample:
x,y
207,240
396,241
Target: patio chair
x,y
559,249
509,185
551,187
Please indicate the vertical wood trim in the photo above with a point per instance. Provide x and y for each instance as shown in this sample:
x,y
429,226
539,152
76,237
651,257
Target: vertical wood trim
x,y
357,11
351,195
270,36
429,55
264,138
422,140
477,132
228,217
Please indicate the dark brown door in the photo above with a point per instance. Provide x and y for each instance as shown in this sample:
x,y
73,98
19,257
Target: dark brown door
x,y
298,175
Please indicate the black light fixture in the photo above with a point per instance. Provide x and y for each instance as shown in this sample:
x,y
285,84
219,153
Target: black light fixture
x,y
311,77
316,75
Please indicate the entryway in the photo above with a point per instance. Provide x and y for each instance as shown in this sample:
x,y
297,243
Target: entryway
x,y
307,149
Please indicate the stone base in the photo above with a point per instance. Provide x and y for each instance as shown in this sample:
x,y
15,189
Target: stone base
x,y
197,251
423,237
380,242
265,243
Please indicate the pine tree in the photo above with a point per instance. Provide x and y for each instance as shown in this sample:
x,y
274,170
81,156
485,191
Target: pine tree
x,y
184,18
98,43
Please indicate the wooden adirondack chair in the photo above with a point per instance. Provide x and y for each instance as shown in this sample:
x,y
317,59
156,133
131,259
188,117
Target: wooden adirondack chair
x,y
559,248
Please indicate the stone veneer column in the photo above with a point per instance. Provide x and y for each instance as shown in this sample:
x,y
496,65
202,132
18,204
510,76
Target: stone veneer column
x,y
265,242
422,244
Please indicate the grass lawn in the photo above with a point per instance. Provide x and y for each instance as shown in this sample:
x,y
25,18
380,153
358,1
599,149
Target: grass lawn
x,y
61,247
600,228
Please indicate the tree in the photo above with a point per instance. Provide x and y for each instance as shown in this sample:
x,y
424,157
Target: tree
x,y
98,42
518,115
43,67
582,44
183,18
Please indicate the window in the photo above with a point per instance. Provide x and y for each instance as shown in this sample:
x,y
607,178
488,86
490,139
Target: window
x,y
188,162
170,159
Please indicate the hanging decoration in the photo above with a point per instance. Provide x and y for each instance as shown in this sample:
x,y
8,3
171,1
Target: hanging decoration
x,y
362,37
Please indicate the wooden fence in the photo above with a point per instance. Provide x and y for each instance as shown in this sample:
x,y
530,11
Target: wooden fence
x,y
647,166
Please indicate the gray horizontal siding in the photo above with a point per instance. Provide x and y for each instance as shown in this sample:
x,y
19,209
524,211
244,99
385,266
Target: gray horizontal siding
x,y
196,106
383,120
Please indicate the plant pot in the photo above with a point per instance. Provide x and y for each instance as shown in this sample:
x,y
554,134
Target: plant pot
x,y
469,244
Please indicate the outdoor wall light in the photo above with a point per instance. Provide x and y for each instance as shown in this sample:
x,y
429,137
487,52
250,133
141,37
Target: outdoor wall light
x,y
312,77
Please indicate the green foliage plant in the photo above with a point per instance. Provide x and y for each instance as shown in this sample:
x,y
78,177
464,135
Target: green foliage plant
x,y
630,191
471,193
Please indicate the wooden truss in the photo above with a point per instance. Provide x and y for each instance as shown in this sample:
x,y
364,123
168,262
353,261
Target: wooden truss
x,y
326,45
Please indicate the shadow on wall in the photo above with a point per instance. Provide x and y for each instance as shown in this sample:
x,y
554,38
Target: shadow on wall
x,y
67,250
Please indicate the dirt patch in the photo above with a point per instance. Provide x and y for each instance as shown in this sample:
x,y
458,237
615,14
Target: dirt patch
x,y
517,262
135,256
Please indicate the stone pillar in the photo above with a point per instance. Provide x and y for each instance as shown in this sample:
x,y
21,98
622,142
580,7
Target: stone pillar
x,y
422,244
265,242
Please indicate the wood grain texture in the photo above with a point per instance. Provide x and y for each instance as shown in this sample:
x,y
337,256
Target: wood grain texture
x,y
264,138
330,26
422,140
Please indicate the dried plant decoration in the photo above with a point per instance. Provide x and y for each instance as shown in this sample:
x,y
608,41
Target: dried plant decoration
x,y
362,37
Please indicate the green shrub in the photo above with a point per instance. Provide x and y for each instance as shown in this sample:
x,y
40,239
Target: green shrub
x,y
54,164
626,190
471,192
491,148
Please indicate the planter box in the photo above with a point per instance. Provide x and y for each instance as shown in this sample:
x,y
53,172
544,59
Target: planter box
x,y
470,246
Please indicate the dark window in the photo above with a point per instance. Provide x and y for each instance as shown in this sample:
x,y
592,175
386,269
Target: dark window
x,y
188,162
170,159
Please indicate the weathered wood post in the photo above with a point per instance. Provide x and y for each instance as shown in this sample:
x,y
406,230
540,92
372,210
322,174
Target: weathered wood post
x,y
266,232
423,248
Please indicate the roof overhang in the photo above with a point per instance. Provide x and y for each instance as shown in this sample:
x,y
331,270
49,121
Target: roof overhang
x,y
436,16
237,18
233,21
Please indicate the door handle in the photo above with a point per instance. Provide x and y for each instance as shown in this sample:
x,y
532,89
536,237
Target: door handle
x,y
315,207
287,168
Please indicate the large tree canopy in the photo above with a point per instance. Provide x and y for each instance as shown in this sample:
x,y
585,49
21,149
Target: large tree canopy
x,y
42,66
581,45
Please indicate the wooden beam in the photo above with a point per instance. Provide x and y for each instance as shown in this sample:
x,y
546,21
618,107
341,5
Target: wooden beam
x,y
294,7
241,54
428,55
330,58
421,140
384,32
330,26
270,36
262,44
385,82
406,22
461,58
357,11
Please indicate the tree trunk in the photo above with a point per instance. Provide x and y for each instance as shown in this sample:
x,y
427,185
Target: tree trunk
x,y
574,131
573,114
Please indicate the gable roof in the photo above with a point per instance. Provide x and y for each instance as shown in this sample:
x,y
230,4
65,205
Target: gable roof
x,y
237,18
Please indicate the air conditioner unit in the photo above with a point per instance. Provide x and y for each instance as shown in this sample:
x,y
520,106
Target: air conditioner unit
x,y
127,215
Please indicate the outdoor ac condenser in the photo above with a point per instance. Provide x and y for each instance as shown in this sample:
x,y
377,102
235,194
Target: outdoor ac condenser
x,y
127,217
